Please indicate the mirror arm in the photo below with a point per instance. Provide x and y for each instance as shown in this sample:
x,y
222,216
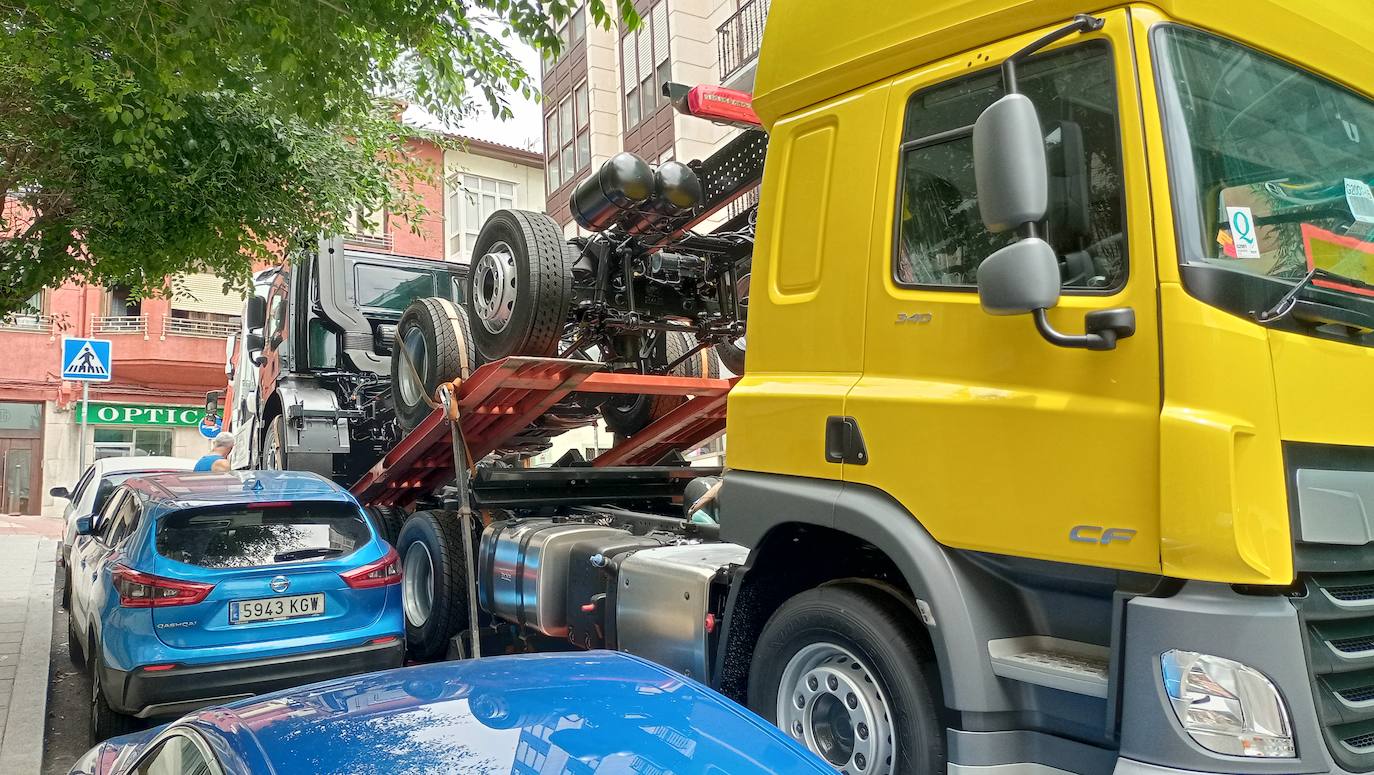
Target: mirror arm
x,y
1104,328
1081,23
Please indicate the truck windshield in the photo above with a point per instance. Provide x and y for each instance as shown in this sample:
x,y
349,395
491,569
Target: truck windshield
x,y
1271,169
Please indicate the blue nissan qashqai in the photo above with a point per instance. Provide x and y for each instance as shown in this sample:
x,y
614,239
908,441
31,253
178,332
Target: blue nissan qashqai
x,y
192,589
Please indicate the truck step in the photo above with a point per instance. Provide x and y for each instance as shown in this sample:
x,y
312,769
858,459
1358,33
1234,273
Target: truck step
x,y
1069,665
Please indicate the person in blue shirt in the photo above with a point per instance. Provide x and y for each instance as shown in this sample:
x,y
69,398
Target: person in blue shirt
x,y
219,450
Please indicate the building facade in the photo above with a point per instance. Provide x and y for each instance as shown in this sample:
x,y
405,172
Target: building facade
x,y
168,352
604,93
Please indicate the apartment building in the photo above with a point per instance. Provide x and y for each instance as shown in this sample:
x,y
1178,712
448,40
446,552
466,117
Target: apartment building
x,y
168,352
603,94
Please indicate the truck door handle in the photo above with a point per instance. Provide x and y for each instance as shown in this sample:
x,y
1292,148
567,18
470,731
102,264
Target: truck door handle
x,y
843,441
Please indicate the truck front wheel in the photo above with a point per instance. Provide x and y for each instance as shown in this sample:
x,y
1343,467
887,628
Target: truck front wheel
x,y
841,670
432,582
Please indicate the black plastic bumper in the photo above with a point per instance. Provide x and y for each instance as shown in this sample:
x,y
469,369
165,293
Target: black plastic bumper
x,y
182,689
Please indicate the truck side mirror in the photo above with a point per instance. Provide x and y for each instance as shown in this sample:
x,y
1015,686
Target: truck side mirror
x,y
253,344
256,313
1020,278
212,399
1009,164
1012,175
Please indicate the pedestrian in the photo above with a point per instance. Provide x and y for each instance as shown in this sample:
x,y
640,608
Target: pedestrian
x,y
220,466
219,450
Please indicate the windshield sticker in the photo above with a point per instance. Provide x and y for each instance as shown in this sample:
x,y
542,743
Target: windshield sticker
x,y
1340,254
1243,232
1360,199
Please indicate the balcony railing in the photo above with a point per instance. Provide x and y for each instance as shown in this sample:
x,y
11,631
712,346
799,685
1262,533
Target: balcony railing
x,y
377,241
120,324
204,329
739,37
37,324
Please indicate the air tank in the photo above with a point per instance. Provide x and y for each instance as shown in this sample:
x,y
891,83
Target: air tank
x,y
677,189
622,182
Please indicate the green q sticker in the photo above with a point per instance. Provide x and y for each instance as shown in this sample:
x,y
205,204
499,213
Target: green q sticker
x,y
1242,223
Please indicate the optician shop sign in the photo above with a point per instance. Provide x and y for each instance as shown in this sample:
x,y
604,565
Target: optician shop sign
x,y
138,414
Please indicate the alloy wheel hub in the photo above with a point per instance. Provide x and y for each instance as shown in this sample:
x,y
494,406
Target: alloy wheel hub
x,y
417,585
831,702
494,287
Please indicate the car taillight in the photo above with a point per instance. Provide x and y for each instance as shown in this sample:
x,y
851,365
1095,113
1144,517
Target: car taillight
x,y
381,573
144,590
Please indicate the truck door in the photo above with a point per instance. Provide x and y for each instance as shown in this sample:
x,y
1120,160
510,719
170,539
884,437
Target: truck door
x,y
808,284
993,438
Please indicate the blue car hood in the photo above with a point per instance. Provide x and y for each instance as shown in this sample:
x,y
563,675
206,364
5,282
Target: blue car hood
x,y
584,712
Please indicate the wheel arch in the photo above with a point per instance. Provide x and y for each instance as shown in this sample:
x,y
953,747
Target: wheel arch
x,y
804,532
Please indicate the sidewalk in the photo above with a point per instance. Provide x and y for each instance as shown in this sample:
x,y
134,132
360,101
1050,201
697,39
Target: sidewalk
x,y
26,612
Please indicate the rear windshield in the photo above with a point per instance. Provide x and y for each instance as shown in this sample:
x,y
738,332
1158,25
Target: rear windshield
x,y
252,536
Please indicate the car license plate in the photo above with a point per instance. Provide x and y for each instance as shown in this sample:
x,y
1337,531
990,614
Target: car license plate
x,y
268,608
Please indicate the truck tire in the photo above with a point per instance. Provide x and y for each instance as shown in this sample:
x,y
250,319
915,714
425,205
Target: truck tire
x,y
387,521
274,446
434,334
520,285
433,582
841,670
732,353
626,415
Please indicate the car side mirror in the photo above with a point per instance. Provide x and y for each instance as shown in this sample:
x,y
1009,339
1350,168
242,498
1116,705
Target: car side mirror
x,y
84,526
256,312
60,492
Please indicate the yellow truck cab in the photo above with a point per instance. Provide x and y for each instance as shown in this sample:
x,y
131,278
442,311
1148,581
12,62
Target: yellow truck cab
x,y
1061,462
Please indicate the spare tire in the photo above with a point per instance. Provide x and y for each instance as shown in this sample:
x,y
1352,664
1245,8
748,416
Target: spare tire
x,y
435,337
627,415
520,285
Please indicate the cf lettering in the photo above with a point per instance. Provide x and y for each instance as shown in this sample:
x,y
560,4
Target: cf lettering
x,y
1095,534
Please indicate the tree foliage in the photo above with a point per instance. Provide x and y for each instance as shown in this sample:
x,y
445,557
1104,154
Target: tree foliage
x,y
144,138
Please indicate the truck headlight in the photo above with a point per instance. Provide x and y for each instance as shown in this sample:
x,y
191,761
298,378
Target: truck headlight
x,y
1227,707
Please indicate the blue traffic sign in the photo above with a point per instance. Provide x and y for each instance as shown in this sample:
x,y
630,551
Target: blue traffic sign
x,y
86,359
211,425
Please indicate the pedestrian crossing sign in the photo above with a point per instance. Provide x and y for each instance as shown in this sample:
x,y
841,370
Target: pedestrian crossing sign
x,y
86,359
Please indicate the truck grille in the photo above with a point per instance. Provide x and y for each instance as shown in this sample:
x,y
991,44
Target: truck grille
x,y
1337,612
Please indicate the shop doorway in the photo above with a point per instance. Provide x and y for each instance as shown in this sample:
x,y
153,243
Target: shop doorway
x,y
21,455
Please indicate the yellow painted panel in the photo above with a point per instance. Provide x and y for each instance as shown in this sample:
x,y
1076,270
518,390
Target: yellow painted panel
x,y
1223,510
803,199
816,49
1318,381
993,438
806,333
776,422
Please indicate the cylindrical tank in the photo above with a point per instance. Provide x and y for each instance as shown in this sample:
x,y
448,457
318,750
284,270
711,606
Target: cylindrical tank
x,y
676,187
623,182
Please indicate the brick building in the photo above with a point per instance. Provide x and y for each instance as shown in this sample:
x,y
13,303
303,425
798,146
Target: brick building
x,y
168,352
604,93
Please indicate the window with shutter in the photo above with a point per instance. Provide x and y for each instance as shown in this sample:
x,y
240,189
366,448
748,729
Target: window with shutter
x,y
644,66
204,293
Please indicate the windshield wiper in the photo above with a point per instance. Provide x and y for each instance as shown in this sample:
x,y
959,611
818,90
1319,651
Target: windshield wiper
x,y
305,554
1286,303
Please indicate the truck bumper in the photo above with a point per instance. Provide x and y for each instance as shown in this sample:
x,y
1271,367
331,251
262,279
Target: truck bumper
x,y
180,690
1262,631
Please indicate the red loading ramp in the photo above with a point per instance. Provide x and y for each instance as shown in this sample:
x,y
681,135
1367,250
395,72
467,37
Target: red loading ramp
x,y
502,398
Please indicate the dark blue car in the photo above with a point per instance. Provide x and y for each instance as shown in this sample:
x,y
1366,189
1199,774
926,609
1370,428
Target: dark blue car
x,y
575,713
194,589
